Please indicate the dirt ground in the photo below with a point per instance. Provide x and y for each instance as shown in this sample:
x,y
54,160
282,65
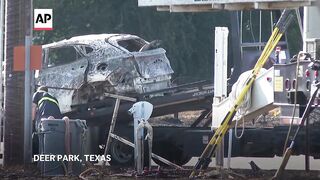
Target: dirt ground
x,y
31,172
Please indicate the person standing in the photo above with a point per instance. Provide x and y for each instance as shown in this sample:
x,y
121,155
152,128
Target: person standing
x,y
44,105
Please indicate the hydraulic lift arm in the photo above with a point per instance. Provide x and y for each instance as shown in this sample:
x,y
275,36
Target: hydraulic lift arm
x,y
225,125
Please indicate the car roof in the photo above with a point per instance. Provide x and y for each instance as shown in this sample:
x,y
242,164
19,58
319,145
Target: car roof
x,y
87,39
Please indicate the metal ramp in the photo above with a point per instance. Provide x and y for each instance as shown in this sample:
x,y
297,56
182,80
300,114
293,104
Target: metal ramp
x,y
210,5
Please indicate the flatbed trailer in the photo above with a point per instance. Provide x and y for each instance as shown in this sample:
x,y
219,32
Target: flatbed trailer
x,y
181,139
187,97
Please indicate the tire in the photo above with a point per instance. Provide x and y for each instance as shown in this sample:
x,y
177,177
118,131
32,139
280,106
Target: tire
x,y
121,154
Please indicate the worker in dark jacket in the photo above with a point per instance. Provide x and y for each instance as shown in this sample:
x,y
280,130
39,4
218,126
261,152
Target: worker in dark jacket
x,y
44,105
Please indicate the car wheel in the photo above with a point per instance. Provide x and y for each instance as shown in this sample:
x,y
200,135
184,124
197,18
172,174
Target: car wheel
x,y
121,154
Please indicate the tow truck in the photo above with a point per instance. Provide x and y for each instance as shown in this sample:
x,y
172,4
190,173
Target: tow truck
x,y
276,87
174,99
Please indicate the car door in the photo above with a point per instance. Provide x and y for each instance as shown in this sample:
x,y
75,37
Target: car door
x,y
64,67
64,71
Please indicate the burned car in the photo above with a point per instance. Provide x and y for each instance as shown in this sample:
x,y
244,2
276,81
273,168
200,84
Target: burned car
x,y
83,68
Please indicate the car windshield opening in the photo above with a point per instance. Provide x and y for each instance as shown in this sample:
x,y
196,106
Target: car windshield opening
x,y
132,45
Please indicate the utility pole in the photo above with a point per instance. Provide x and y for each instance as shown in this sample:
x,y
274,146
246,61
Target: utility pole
x,y
17,27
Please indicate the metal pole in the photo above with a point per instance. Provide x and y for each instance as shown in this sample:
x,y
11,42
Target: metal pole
x,y
112,126
1,44
220,155
271,20
2,13
260,29
240,32
307,152
135,140
27,89
27,104
229,149
220,77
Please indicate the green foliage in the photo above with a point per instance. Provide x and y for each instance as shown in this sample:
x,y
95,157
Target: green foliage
x,y
187,37
294,38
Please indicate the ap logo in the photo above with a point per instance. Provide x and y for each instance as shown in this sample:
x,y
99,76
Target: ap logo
x,y
42,19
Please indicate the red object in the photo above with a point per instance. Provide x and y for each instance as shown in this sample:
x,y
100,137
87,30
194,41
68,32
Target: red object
x,y
43,29
269,79
307,73
316,73
19,58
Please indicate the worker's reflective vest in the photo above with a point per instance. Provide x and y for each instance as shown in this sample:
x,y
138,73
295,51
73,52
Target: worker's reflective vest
x,y
47,99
